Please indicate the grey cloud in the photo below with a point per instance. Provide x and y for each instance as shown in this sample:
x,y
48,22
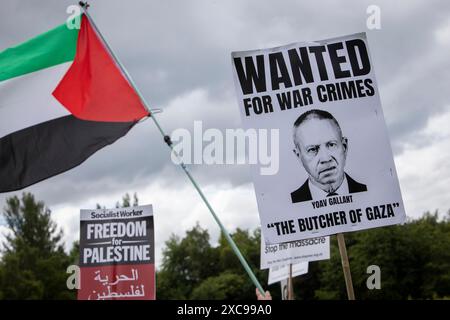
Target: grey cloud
x,y
174,48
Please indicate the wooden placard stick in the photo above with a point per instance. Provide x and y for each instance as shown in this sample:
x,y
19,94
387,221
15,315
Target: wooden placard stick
x,y
346,266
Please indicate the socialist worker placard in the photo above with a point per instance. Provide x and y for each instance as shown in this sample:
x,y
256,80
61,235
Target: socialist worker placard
x,y
117,254
336,169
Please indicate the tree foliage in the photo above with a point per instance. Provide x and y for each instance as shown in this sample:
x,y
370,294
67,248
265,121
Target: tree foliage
x,y
33,263
414,260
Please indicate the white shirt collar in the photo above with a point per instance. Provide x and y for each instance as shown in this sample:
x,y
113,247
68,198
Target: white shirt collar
x,y
317,193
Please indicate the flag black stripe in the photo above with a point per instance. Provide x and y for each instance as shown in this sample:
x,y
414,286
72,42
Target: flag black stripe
x,y
44,150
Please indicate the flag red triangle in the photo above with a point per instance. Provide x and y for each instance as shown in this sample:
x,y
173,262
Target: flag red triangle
x,y
94,87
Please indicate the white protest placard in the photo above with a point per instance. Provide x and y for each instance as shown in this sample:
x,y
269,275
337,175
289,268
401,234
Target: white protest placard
x,y
336,168
280,273
304,250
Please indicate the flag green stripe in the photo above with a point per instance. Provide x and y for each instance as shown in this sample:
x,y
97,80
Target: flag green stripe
x,y
45,50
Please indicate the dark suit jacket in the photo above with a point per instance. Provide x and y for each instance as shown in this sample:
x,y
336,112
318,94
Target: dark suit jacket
x,y
304,194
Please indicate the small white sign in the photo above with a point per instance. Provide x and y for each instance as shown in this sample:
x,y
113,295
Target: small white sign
x,y
279,273
304,250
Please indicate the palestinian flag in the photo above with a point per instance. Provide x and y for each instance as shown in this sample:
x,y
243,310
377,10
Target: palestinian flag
x,y
62,98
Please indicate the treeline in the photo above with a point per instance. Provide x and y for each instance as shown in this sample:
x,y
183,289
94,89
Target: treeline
x,y
414,260
33,261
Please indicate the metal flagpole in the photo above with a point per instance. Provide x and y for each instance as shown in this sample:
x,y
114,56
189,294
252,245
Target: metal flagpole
x,y
233,245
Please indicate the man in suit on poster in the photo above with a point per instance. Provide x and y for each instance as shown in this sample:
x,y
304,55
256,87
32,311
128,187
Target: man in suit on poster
x,y
322,150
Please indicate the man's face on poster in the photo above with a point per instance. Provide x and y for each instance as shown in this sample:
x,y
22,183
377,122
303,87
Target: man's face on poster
x,y
322,151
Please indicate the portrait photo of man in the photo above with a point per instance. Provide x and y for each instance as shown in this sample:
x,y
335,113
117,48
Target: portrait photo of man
x,y
322,150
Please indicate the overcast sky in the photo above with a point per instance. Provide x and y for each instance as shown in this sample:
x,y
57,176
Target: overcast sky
x,y
178,53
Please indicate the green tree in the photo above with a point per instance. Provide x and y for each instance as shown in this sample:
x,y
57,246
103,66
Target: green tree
x,y
74,254
126,201
414,259
186,262
34,263
249,245
225,286
201,271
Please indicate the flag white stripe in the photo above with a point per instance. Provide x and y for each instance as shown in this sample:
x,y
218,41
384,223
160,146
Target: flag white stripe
x,y
27,100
